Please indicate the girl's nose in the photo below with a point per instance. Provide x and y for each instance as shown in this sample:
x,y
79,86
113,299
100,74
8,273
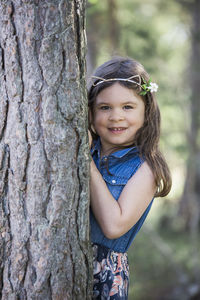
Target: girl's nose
x,y
116,115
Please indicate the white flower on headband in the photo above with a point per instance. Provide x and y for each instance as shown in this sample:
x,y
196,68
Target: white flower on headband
x,y
148,87
153,87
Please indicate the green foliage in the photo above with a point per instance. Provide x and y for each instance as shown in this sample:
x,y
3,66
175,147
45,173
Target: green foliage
x,y
155,274
92,1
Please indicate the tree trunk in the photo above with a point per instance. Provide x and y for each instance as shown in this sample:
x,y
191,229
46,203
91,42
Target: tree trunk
x,y
44,225
103,28
93,36
114,27
190,202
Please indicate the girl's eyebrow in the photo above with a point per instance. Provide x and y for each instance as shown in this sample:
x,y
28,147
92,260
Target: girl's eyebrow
x,y
122,103
102,103
130,102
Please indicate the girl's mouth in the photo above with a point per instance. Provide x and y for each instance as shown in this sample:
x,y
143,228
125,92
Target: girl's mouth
x,y
117,129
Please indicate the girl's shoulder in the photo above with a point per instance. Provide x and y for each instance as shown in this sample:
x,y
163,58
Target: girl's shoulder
x,y
125,163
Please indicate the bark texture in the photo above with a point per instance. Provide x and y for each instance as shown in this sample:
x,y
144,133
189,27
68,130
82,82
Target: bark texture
x,y
44,163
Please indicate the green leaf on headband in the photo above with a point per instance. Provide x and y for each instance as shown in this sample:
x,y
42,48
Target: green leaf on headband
x,y
143,93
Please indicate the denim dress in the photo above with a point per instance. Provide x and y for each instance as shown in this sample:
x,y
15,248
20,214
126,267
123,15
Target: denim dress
x,y
111,270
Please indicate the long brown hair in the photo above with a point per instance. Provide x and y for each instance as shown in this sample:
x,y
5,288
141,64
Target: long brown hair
x,y
147,137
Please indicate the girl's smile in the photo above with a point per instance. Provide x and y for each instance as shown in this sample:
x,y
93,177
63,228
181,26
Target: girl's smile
x,y
118,114
117,130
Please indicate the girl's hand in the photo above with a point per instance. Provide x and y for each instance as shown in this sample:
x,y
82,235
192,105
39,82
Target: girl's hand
x,y
90,138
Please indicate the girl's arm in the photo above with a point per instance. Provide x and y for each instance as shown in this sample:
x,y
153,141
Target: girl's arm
x,y
117,217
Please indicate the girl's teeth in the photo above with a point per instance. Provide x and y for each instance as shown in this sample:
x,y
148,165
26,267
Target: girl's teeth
x,y
117,129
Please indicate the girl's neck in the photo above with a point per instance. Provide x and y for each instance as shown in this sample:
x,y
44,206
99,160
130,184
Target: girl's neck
x,y
112,150
107,151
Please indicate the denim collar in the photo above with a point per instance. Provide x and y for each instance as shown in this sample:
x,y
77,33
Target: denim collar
x,y
118,154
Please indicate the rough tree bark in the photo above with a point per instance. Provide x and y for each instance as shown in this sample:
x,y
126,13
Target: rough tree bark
x,y
44,233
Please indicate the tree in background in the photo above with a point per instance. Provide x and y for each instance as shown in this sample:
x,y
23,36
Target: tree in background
x,y
44,232
103,31
190,205
190,201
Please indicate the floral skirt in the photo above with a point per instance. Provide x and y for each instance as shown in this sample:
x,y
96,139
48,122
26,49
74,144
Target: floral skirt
x,y
111,274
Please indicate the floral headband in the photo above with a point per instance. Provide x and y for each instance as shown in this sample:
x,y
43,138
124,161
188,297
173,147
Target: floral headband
x,y
147,86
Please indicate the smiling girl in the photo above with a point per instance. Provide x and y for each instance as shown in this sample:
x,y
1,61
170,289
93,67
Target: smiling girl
x,y
127,168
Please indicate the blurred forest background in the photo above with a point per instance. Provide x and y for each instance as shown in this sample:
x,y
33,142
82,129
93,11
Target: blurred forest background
x,y
165,37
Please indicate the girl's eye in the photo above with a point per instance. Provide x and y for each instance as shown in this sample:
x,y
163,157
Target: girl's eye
x,y
104,107
128,107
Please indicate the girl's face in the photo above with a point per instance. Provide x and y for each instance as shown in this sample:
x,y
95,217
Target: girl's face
x,y
118,114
